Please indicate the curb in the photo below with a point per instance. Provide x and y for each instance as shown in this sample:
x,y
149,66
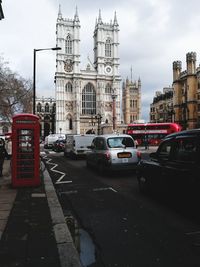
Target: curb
x,y
67,252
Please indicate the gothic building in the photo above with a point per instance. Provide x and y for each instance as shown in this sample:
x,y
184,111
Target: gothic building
x,y
181,103
186,100
86,94
131,101
161,110
46,110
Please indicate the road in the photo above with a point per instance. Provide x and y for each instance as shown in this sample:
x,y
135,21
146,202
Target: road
x,y
118,226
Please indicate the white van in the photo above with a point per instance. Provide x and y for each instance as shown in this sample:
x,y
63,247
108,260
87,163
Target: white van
x,y
50,139
77,144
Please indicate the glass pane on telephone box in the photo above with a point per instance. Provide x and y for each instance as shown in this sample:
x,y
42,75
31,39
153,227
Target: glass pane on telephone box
x,y
25,153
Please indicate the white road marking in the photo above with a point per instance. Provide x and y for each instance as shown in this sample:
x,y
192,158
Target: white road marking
x,y
59,181
193,233
104,189
113,189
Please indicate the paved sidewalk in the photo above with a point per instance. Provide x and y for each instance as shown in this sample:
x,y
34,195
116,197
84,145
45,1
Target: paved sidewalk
x,y
33,232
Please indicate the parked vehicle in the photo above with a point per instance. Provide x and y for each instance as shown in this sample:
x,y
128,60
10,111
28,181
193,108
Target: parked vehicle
x,y
77,145
50,139
59,145
174,166
113,152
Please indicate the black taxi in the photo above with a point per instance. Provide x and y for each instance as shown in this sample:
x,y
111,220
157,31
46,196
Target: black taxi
x,y
174,166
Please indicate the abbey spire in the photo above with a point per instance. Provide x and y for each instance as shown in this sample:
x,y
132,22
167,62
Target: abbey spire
x,y
59,12
100,19
115,19
76,17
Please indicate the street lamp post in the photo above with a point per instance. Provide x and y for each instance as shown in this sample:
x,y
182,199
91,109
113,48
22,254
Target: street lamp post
x,y
114,96
98,117
60,131
34,70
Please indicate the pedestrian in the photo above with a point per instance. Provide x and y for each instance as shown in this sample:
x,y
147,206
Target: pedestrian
x,y
146,144
136,143
3,155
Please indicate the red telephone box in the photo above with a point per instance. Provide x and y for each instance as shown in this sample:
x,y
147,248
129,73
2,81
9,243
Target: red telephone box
x,y
25,150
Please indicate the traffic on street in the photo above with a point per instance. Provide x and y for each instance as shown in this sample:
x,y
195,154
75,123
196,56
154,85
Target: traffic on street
x,y
114,224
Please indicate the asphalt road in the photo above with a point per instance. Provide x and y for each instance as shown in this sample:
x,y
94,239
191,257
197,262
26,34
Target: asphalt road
x,y
126,228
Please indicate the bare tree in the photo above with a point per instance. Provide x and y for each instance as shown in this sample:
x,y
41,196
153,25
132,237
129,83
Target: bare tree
x,y
15,93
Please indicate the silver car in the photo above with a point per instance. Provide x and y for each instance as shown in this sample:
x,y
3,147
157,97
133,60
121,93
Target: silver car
x,y
113,152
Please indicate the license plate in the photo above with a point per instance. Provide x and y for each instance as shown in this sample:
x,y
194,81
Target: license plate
x,y
124,160
124,155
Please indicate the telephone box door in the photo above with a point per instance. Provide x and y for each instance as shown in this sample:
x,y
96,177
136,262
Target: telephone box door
x,y
25,150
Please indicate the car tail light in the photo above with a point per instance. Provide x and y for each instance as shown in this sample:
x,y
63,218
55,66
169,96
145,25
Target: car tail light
x,y
139,154
107,154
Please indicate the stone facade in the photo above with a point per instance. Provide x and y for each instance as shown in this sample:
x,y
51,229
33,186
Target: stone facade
x,y
131,101
181,103
46,110
161,110
84,95
186,100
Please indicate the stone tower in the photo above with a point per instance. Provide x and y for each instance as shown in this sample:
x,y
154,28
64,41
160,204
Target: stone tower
x,y
191,94
131,101
185,92
177,99
84,93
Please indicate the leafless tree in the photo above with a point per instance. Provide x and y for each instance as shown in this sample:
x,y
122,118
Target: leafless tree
x,y
15,93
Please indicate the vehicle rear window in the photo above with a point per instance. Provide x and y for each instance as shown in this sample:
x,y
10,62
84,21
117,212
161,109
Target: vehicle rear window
x,y
117,142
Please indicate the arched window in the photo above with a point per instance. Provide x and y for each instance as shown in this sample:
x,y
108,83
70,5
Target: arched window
x,y
70,124
88,100
68,87
108,89
39,107
46,108
108,48
68,45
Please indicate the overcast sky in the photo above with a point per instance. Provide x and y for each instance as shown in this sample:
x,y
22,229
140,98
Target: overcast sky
x,y
153,34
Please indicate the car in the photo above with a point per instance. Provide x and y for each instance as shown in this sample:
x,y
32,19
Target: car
x,y
51,138
77,145
175,166
59,145
113,152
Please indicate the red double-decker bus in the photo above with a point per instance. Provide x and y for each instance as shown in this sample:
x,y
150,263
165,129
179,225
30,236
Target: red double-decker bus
x,y
151,133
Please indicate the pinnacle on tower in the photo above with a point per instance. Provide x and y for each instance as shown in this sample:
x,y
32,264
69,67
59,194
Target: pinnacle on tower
x,y
131,74
115,19
100,19
76,17
59,12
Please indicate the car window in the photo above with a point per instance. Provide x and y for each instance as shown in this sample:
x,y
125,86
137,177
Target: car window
x,y
117,142
128,142
99,144
185,149
165,149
